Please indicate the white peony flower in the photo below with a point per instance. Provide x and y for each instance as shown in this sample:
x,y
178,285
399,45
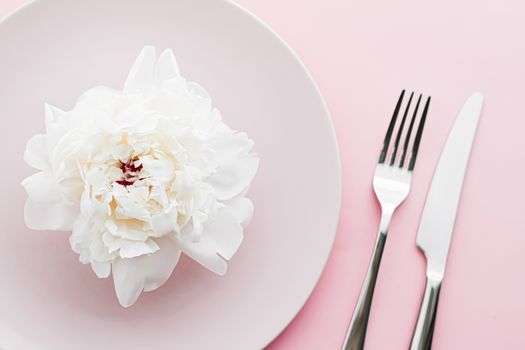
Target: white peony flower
x,y
141,176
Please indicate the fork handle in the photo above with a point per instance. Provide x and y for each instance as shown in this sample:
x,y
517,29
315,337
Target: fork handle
x,y
355,337
422,338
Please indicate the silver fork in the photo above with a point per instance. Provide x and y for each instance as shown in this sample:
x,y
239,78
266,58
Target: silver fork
x,y
392,179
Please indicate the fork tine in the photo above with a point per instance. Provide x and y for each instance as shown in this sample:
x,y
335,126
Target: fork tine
x,y
418,136
409,132
400,131
382,155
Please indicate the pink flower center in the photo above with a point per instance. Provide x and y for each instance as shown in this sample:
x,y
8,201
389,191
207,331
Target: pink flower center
x,y
130,172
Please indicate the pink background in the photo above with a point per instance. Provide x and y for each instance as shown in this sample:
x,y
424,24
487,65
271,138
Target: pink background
x,y
362,54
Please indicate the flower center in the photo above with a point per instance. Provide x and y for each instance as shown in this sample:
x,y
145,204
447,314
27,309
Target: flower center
x,y
130,171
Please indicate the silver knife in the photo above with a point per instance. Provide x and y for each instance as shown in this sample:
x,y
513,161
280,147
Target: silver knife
x,y
439,214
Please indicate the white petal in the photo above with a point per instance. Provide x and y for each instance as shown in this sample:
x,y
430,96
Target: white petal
x,y
162,169
141,75
80,238
92,207
42,188
101,269
198,91
52,115
106,124
121,152
224,234
167,67
127,208
97,250
185,181
158,194
96,177
36,152
69,150
40,216
54,128
229,147
201,101
133,249
198,218
147,272
165,223
97,102
241,208
204,253
177,85
131,115
233,178
127,229
146,125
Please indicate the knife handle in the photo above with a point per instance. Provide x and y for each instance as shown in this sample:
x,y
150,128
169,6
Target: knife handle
x,y
355,337
422,338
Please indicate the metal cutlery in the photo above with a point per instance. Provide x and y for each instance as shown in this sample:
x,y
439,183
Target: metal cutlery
x,y
392,179
439,214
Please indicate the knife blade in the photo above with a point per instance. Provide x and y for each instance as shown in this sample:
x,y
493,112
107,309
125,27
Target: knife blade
x,y
439,214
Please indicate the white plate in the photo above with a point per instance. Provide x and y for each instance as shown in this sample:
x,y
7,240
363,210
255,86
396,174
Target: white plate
x,y
52,50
